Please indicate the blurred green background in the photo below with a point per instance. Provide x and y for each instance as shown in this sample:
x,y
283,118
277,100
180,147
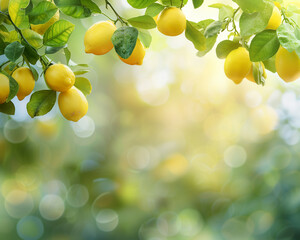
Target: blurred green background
x,y
171,150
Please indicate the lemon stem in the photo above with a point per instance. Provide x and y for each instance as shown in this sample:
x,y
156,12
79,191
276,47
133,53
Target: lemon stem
x,y
119,18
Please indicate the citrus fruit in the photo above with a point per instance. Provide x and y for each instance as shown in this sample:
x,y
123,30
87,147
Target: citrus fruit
x,y
72,104
237,65
25,79
42,28
59,77
171,22
97,39
275,20
287,65
137,56
4,88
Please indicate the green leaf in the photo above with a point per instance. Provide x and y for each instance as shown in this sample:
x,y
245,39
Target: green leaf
x,y
67,55
81,72
145,22
154,9
91,5
270,64
8,108
213,29
42,12
17,12
13,87
13,51
84,85
58,34
34,39
41,103
225,47
264,46
145,38
225,11
140,3
52,50
34,73
176,3
124,40
73,8
2,46
195,36
258,73
197,3
289,37
251,6
30,53
252,23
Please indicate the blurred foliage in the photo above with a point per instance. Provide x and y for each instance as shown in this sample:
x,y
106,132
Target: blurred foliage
x,y
170,150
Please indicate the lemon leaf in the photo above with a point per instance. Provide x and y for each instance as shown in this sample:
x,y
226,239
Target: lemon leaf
x,y
73,8
195,36
264,46
176,3
17,12
225,47
140,3
84,85
197,3
13,87
58,34
42,13
146,22
154,9
145,38
8,108
33,38
41,102
124,40
13,51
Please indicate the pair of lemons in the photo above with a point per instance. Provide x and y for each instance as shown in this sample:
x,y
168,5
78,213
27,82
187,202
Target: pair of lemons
x,y
97,40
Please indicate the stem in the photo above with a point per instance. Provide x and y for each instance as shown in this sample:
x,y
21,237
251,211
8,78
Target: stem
x,y
233,21
4,63
181,4
119,18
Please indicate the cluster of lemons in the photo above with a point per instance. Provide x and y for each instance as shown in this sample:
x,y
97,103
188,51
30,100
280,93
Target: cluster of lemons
x,y
97,40
238,65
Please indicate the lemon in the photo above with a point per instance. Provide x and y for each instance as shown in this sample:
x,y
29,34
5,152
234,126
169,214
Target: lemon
x,y
42,28
73,104
250,76
4,5
287,65
275,20
25,79
97,39
171,22
137,56
4,88
59,77
237,65
277,4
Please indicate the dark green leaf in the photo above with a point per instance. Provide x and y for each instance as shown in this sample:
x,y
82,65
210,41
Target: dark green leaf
x,y
41,103
52,50
197,3
42,13
7,108
13,51
124,40
13,87
30,53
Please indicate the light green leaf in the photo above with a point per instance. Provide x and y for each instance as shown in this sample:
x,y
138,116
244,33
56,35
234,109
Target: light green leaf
x,y
154,9
140,3
34,39
195,36
73,8
289,37
17,12
84,85
58,34
145,22
145,38
225,47
42,13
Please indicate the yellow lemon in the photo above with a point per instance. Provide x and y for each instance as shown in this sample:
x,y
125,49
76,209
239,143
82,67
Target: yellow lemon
x,y
97,39
155,19
73,104
171,22
237,64
42,28
275,20
4,5
4,88
59,77
250,76
287,65
137,56
277,4
25,79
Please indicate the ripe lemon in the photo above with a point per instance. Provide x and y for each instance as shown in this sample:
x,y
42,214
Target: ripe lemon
x,y
287,65
97,39
237,64
42,28
4,88
137,56
275,20
250,76
171,22
59,77
25,79
73,104
4,5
